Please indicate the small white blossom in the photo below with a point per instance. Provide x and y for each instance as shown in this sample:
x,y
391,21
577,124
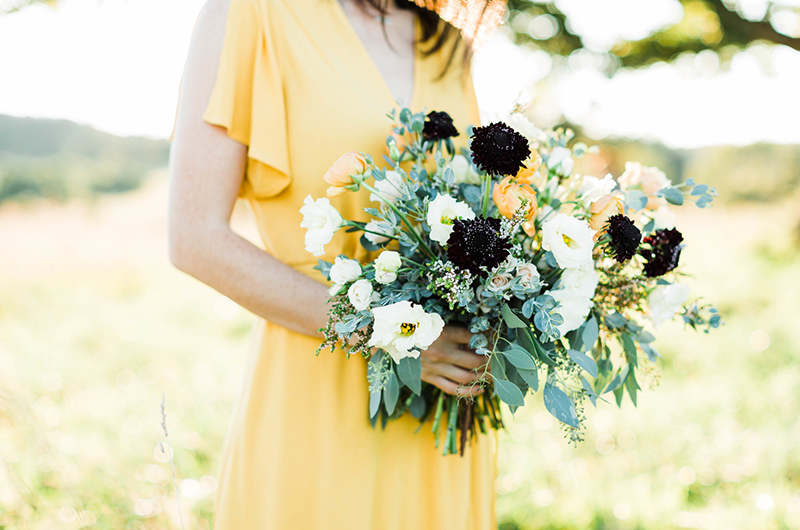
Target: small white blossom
x,y
343,271
665,301
322,221
403,329
570,240
442,211
561,161
386,266
360,294
391,188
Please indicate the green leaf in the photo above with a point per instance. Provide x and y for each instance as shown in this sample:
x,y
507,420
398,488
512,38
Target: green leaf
x,y
632,386
498,367
531,343
508,392
618,395
560,405
630,348
589,391
374,403
584,361
391,392
618,380
673,196
635,200
531,377
519,357
699,189
591,330
418,407
410,372
512,320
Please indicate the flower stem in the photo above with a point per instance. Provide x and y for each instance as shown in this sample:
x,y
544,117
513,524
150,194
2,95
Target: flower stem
x,y
438,416
487,190
411,230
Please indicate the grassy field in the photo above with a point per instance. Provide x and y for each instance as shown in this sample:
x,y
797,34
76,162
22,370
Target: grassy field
x,y
95,324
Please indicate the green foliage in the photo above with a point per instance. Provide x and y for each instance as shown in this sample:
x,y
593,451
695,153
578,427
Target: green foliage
x,y
61,160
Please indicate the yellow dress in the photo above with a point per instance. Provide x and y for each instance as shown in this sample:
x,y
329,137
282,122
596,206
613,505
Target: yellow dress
x,y
297,86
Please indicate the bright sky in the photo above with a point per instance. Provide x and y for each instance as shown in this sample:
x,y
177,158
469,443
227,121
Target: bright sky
x,y
116,64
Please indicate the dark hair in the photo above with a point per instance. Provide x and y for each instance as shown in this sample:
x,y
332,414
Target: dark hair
x,y
436,33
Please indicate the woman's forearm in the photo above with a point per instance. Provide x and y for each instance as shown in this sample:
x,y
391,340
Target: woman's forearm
x,y
222,259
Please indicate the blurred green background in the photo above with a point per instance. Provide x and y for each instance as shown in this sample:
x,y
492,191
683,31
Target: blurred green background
x,y
95,325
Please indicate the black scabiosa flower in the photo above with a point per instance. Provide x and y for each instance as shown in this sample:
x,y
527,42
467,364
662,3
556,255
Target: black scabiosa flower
x,y
476,245
439,126
498,149
624,238
662,250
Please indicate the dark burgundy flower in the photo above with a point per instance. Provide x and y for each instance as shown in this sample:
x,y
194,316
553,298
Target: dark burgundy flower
x,y
439,126
624,238
475,245
662,251
498,149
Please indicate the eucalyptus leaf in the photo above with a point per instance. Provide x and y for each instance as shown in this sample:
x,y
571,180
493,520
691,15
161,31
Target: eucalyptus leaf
x,y
374,403
631,385
672,195
584,361
410,372
636,200
699,189
560,405
512,320
509,392
590,332
519,357
391,393
531,377
418,407
589,391
630,348
498,366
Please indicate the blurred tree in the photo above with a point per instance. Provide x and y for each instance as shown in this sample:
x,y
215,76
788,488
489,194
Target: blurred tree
x,y
718,25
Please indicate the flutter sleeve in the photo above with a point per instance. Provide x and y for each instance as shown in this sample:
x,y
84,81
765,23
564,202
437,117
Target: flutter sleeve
x,y
248,101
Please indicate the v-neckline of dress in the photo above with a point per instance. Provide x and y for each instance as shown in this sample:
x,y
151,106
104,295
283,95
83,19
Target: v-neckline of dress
x,y
367,58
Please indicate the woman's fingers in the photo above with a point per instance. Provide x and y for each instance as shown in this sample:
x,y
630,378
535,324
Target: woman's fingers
x,y
463,358
457,334
455,389
455,373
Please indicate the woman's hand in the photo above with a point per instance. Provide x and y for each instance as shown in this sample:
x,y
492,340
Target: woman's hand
x,y
450,365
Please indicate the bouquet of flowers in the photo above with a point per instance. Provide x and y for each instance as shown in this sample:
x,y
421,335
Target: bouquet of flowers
x,y
555,275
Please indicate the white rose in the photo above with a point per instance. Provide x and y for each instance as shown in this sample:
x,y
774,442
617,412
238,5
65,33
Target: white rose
x,y
360,294
375,229
592,188
463,171
403,329
522,125
391,188
579,282
386,266
570,240
665,301
561,161
442,211
499,282
573,308
529,274
343,271
322,221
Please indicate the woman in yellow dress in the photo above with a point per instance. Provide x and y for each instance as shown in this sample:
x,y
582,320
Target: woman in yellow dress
x,y
272,93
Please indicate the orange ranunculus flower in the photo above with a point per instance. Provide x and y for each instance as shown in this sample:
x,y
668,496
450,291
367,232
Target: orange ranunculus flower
x,y
527,174
602,209
508,197
339,174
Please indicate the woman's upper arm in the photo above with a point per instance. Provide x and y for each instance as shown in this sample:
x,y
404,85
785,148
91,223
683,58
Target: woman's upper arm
x,y
206,166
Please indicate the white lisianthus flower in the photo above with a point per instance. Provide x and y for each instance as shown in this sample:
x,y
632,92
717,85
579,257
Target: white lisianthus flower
x,y
322,221
570,240
529,274
442,211
498,283
343,271
463,171
665,301
386,267
360,294
579,282
561,161
376,228
592,188
403,329
391,188
522,125
573,308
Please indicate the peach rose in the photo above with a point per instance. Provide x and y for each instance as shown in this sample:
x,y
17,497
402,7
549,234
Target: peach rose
x,y
602,209
339,174
648,179
508,197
